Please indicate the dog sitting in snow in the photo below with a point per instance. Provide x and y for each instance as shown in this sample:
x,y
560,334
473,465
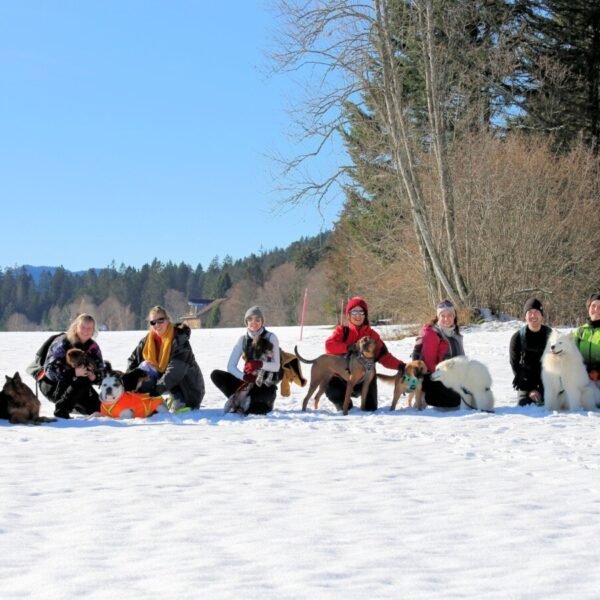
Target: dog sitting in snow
x,y
564,377
19,404
117,403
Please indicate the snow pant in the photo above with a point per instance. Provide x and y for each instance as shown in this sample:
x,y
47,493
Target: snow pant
x,y
336,392
262,398
437,394
68,396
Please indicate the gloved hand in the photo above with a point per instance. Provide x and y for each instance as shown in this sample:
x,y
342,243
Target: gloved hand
x,y
147,387
253,365
401,368
249,378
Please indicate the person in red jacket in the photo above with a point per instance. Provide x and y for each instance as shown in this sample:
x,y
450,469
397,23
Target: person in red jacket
x,y
345,336
439,340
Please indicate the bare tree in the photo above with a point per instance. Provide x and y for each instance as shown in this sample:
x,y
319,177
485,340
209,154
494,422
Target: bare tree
x,y
356,50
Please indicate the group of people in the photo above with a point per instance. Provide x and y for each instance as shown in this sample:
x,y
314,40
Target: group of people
x,y
527,346
166,356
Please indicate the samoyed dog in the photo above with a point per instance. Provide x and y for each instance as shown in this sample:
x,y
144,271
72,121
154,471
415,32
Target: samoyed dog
x,y
565,380
469,378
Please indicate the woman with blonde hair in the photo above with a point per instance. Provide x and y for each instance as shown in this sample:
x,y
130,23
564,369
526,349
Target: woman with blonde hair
x,y
70,388
166,355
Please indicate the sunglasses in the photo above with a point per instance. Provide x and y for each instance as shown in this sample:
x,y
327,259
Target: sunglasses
x,y
158,321
357,312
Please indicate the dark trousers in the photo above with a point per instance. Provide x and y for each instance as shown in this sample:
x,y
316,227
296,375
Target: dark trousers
x,y
69,396
262,398
437,394
336,392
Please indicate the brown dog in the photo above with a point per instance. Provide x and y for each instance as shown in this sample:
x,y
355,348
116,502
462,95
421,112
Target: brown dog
x,y
354,368
78,358
410,381
18,403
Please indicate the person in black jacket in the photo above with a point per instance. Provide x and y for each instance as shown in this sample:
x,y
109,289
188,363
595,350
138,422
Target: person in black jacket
x,y
70,389
526,349
166,355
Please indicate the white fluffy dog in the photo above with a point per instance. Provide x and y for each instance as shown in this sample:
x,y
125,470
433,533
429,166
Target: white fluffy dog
x,y
470,378
566,382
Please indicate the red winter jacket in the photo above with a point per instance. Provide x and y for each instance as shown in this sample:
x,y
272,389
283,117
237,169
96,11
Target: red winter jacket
x,y
335,343
435,347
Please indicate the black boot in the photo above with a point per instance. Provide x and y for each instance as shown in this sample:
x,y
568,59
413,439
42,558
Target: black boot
x,y
64,405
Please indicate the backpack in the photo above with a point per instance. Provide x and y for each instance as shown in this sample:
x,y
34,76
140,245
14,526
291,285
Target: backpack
x,y
36,368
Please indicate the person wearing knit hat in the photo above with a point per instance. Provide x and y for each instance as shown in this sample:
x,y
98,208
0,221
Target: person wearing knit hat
x,y
525,354
259,349
254,311
535,304
343,339
587,338
439,340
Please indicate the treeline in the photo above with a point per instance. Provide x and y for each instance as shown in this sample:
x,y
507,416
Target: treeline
x,y
472,129
120,297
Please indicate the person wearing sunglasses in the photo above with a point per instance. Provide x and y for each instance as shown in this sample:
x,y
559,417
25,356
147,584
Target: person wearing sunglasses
x,y
166,355
343,339
439,340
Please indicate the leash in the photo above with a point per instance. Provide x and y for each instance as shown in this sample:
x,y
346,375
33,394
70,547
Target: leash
x,y
466,391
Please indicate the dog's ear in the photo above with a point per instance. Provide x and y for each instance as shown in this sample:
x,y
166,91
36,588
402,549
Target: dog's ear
x,y
409,369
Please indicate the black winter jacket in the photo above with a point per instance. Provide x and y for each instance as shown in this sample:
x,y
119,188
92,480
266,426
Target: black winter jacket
x,y
182,372
526,362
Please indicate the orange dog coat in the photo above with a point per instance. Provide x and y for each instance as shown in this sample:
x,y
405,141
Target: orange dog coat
x,y
142,405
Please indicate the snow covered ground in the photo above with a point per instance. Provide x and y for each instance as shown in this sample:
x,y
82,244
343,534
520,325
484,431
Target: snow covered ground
x,y
301,505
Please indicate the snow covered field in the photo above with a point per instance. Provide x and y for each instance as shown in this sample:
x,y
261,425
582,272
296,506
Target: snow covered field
x,y
301,505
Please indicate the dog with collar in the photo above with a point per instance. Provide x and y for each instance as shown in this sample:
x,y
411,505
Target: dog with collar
x,y
117,403
357,366
410,382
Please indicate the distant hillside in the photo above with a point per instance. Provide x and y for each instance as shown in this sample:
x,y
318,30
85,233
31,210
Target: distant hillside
x,y
46,297
36,272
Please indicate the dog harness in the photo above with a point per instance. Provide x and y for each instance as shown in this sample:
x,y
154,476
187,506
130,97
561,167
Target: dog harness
x,y
412,382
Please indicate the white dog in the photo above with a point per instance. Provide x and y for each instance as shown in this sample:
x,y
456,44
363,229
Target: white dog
x,y
469,378
565,380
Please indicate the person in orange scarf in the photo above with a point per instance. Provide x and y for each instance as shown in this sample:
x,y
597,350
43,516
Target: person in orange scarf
x,y
166,355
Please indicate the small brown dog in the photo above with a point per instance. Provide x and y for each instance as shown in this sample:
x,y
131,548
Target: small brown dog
x,y
78,358
18,403
354,368
410,381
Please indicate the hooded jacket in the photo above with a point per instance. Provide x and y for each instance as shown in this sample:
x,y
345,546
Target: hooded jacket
x,y
346,335
182,370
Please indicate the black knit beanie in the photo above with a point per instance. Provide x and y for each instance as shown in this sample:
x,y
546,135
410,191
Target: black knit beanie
x,y
533,303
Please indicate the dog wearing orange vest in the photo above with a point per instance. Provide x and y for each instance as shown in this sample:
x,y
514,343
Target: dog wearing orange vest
x,y
115,402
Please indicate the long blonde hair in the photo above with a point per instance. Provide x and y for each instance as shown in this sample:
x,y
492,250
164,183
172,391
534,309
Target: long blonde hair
x,y
72,330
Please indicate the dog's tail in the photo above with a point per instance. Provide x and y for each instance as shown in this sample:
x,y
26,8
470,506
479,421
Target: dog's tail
x,y
304,360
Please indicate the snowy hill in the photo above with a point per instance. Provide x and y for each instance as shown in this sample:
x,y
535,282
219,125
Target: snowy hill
x,y
301,505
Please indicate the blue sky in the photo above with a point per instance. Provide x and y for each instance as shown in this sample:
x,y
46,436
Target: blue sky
x,y
132,130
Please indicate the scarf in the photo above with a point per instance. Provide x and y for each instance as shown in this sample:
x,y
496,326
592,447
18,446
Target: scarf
x,y
159,358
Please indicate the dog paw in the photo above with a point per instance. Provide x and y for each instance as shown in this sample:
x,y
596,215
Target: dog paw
x,y
126,414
